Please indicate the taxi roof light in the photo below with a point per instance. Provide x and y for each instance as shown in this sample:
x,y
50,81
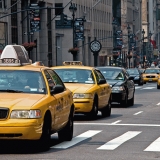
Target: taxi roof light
x,y
72,63
14,55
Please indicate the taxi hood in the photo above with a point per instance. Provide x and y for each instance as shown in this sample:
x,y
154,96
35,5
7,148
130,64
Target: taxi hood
x,y
78,88
19,100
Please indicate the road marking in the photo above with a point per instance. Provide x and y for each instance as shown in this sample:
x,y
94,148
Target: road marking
x,y
113,144
158,103
137,87
148,87
116,122
119,124
81,137
155,146
138,113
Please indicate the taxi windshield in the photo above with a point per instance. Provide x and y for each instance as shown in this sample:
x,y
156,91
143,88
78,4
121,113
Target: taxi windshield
x,y
22,81
76,75
154,71
112,74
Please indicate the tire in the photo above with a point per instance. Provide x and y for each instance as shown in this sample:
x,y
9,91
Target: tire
x,y
124,103
66,134
106,112
44,141
94,111
131,101
158,87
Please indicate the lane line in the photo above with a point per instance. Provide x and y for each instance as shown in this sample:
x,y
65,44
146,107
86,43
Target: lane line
x,y
137,87
158,103
138,113
110,124
148,88
113,144
80,138
155,146
116,122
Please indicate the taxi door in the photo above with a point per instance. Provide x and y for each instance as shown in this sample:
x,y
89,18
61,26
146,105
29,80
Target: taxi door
x,y
65,98
56,106
103,90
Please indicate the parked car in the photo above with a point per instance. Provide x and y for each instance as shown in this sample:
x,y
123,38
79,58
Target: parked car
x,y
123,87
135,75
90,91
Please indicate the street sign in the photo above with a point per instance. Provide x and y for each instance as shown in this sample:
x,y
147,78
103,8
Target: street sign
x,y
34,17
79,29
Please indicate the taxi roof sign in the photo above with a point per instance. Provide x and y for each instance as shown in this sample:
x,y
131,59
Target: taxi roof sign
x,y
14,55
72,63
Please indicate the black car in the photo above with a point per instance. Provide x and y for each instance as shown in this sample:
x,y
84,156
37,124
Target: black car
x,y
122,87
136,75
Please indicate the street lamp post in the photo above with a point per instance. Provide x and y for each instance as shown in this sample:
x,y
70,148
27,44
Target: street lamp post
x,y
73,9
143,32
128,28
150,51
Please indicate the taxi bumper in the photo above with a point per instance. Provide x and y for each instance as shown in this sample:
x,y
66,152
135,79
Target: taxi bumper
x,y
150,79
30,130
83,105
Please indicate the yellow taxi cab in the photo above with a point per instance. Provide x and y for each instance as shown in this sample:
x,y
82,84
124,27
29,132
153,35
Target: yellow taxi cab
x,y
90,91
150,75
34,102
158,81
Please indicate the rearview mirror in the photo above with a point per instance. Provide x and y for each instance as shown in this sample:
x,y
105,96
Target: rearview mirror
x,y
102,81
57,89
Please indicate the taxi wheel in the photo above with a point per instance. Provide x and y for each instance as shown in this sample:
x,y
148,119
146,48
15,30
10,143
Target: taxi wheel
x,y
94,111
66,134
158,87
44,142
106,112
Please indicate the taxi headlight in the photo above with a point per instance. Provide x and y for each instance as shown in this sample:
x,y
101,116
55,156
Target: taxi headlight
x,y
120,88
83,95
26,114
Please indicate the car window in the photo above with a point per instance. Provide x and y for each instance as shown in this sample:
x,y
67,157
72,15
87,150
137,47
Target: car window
x,y
100,75
75,75
112,74
55,78
25,81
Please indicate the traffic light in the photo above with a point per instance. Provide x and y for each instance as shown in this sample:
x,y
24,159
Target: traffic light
x,y
63,19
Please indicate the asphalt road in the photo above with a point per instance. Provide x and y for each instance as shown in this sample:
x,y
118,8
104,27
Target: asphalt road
x,y
131,133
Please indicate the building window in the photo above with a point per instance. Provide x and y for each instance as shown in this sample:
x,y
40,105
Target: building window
x,y
58,11
2,3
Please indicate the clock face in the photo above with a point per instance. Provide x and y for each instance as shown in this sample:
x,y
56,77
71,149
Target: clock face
x,y
95,46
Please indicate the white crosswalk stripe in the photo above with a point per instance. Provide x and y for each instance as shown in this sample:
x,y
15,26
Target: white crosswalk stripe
x,y
110,145
113,144
155,146
80,138
141,88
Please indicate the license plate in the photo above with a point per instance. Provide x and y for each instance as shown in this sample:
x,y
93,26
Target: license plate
x,y
150,79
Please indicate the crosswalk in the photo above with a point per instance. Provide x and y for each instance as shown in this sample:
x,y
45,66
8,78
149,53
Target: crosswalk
x,y
112,144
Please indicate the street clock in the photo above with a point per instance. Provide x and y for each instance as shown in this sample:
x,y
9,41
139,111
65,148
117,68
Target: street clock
x,y
95,46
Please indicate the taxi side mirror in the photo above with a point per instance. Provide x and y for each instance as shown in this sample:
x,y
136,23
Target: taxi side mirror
x,y
102,81
57,89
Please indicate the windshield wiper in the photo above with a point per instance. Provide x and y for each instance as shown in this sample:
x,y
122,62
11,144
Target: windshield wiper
x,y
10,90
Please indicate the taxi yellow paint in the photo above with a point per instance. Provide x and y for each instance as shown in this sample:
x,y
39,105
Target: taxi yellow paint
x,y
150,75
88,91
31,128
158,82
34,102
